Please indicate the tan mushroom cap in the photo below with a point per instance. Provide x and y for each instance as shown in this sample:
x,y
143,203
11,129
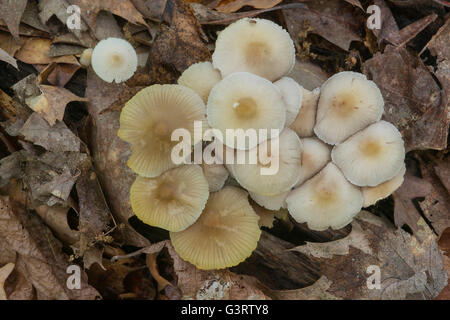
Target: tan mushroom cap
x,y
348,103
114,59
373,194
148,120
216,175
306,118
172,201
253,45
372,156
200,77
226,233
292,94
250,175
316,154
326,200
86,57
245,101
275,202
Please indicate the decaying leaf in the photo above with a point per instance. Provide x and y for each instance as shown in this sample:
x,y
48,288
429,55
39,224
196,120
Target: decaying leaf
x,y
229,6
308,75
414,102
5,271
11,12
4,56
411,267
37,51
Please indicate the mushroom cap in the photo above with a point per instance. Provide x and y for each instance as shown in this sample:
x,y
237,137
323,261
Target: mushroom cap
x,y
289,166
292,94
316,154
326,200
258,46
371,156
245,101
275,202
372,194
172,201
306,118
348,103
226,233
114,59
216,175
148,120
200,77
86,56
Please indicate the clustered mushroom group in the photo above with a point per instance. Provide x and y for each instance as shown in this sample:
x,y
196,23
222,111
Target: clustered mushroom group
x,y
336,155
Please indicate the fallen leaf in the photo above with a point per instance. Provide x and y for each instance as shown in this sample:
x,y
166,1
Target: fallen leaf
x,y
58,8
5,271
388,24
31,16
4,56
308,75
58,138
93,255
11,12
153,268
414,102
406,34
229,6
410,267
37,51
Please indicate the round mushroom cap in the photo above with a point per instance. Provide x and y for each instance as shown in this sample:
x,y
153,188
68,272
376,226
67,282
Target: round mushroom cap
x,y
250,175
200,77
292,94
172,201
326,200
348,103
246,101
306,117
216,175
372,194
372,156
316,154
148,120
114,59
275,202
258,46
226,233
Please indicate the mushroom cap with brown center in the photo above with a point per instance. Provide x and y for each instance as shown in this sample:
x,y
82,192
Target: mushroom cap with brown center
x,y
114,59
245,101
148,120
371,156
200,77
253,45
348,103
226,233
172,201
326,200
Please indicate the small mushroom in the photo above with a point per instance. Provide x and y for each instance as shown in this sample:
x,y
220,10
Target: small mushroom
x,y
306,118
226,233
373,194
275,202
326,200
348,103
246,101
86,57
316,154
371,156
200,77
258,46
292,94
216,175
172,201
114,59
288,162
148,120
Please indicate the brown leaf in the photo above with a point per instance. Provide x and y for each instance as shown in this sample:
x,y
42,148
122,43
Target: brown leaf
x,y
4,56
153,267
45,262
308,75
58,8
388,24
411,267
332,20
58,138
413,100
11,12
401,37
93,255
229,6
9,44
37,51
5,271
122,8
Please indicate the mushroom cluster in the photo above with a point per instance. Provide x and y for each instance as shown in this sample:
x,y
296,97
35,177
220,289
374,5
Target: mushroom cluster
x,y
334,153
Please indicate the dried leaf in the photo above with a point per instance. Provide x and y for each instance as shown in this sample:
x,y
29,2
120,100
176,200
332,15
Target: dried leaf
x,y
58,8
413,100
388,24
4,56
229,6
5,271
11,12
411,267
93,255
58,138
308,75
153,267
400,38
